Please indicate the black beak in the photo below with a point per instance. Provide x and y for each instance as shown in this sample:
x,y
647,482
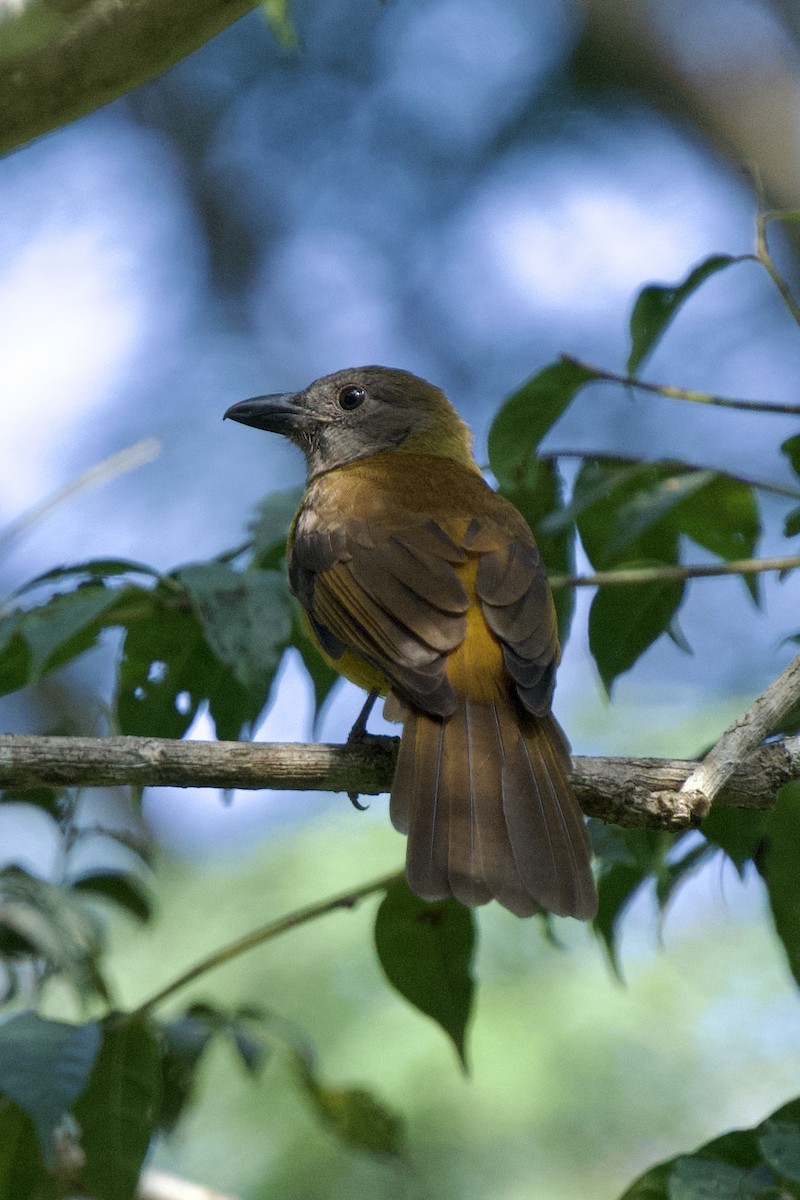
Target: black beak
x,y
279,413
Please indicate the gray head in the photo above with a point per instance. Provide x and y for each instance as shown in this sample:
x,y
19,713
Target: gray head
x,y
358,412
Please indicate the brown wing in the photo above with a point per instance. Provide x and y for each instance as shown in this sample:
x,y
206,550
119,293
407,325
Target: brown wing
x,y
394,597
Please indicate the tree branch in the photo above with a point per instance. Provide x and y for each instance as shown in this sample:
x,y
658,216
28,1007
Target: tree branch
x,y
761,719
265,933
628,575
677,393
628,791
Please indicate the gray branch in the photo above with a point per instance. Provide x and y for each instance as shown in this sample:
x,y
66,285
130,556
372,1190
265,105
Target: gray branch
x,y
643,792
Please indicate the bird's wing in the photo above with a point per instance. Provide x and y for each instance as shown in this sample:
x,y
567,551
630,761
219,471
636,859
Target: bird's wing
x,y
391,595
518,608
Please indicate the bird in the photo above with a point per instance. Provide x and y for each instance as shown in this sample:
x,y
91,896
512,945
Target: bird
x,y
421,583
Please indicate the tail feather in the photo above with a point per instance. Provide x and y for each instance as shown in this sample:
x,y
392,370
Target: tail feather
x,y
485,799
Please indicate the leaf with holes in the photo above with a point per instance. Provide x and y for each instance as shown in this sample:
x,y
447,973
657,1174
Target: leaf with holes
x,y
657,305
426,951
118,1111
246,619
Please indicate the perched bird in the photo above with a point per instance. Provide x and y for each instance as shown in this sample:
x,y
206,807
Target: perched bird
x,y
421,582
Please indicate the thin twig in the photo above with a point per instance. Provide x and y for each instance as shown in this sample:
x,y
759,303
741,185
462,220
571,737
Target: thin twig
x,y
265,933
615,456
129,459
677,393
629,575
761,719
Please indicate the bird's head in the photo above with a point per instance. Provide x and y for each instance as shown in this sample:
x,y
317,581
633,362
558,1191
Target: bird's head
x,y
358,412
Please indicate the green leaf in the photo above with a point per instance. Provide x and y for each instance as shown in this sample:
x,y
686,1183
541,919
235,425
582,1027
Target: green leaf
x,y
780,1145
49,798
270,528
39,919
44,1067
658,304
741,1162
740,832
168,669
527,415
52,634
791,524
353,1114
118,1111
625,619
609,495
279,18
537,499
184,1042
124,890
628,858
426,951
780,871
697,1179
246,620
791,448
94,569
21,1166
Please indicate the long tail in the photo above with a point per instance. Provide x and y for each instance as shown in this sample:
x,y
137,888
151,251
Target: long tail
x,y
486,802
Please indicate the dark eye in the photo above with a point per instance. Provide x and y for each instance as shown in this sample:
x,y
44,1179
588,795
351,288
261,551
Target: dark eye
x,y
351,397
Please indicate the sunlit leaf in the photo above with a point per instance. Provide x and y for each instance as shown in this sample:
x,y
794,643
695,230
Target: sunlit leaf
x,y
44,1067
118,1111
525,418
353,1114
625,619
426,951
658,304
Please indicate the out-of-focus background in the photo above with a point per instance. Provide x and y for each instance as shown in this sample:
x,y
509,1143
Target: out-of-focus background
x,y
464,188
